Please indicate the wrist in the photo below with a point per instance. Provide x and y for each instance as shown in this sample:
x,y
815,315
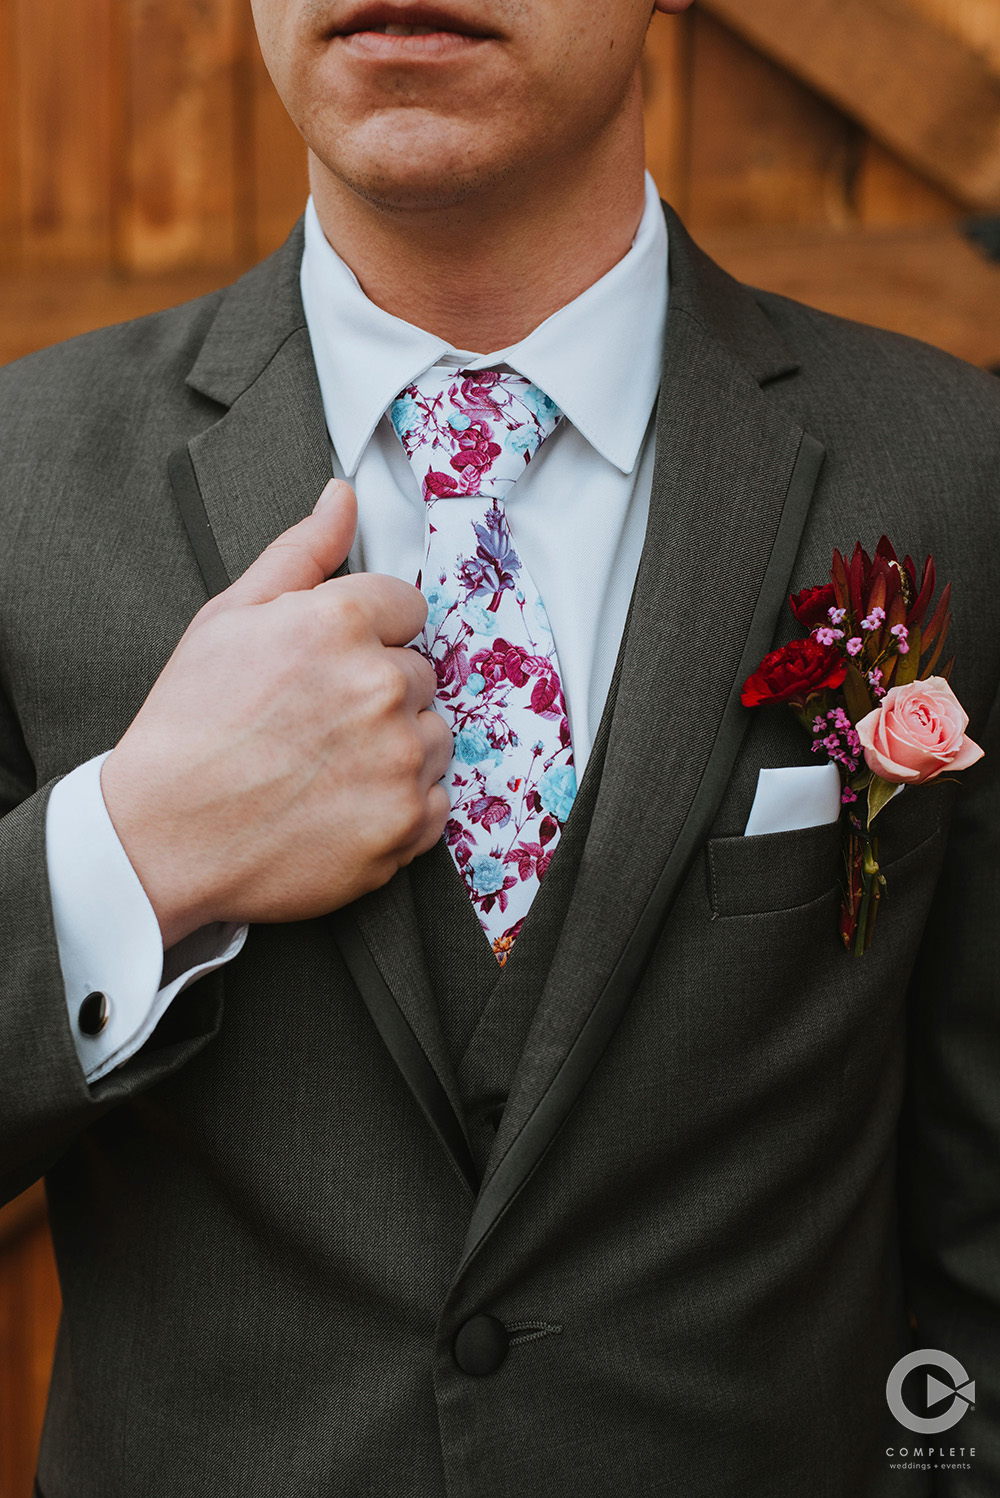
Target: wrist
x,y
152,849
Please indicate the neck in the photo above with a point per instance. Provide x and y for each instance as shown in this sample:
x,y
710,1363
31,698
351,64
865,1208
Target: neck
x,y
482,274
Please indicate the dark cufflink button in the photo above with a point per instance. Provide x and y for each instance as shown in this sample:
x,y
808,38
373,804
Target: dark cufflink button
x,y
481,1346
94,1013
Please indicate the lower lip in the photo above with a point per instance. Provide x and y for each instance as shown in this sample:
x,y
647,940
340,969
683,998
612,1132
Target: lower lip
x,y
376,46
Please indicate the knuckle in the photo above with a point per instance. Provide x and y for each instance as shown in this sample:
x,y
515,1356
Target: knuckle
x,y
409,755
439,808
388,687
411,817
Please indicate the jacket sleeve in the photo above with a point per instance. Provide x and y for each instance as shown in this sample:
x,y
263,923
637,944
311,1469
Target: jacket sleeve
x,y
950,1139
45,1100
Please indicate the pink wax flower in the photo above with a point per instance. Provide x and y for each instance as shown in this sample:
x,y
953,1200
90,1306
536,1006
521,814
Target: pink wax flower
x,y
916,733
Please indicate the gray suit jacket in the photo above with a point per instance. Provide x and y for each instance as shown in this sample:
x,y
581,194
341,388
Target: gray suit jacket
x,y
738,1173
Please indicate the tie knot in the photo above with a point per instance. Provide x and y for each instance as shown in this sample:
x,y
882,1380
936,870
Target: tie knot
x,y
471,431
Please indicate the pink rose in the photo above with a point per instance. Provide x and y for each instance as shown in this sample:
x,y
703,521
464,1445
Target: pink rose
x,y
916,733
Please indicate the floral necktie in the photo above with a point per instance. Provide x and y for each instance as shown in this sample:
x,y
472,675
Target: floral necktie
x,y
469,434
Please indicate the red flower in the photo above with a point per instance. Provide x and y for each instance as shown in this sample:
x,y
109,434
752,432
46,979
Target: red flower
x,y
794,673
811,606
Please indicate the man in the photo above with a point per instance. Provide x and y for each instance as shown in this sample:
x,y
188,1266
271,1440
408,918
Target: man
x,y
467,1172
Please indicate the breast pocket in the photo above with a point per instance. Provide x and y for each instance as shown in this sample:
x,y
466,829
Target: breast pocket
x,y
776,871
785,870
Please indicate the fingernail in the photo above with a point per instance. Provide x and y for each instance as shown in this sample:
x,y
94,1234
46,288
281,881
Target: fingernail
x,y
325,497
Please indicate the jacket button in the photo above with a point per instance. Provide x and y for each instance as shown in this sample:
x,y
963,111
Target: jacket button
x,y
481,1346
94,1013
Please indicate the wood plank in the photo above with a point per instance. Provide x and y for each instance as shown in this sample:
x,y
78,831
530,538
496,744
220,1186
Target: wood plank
x,y
38,309
65,126
762,147
888,192
10,222
29,1314
280,182
666,64
921,90
179,196
928,283
20,1215
975,22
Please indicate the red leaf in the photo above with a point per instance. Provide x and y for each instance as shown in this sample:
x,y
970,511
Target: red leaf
x,y
838,573
919,609
513,667
543,694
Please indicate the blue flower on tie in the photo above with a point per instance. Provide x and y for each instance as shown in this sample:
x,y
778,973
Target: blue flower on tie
x,y
438,604
472,747
475,683
483,623
404,413
557,789
487,874
537,401
459,421
523,440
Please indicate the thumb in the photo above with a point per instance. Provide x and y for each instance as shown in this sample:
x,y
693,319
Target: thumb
x,y
306,554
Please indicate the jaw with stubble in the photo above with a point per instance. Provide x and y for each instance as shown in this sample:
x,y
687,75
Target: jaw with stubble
x,y
436,104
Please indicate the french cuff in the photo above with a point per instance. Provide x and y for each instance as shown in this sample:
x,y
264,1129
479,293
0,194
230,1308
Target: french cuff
x,y
117,979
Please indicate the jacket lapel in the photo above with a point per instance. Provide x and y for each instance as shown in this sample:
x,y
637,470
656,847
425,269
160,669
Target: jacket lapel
x,y
732,484
238,485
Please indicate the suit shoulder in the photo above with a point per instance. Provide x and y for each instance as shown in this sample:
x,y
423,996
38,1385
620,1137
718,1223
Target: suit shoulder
x,y
111,366
862,364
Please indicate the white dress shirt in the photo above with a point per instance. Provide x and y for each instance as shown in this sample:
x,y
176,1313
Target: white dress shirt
x,y
577,516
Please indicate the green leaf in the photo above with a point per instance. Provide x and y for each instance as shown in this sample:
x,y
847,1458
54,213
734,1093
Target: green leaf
x,y
880,793
856,694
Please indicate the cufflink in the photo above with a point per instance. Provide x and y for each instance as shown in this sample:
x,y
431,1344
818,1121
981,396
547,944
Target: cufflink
x,y
94,1012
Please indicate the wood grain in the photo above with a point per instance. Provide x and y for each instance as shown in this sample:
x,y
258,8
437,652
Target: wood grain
x,y
29,1315
63,120
179,194
280,183
37,310
763,148
666,68
928,283
888,192
918,87
975,22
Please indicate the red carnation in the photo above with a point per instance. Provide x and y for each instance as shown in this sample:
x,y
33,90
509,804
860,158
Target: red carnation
x,y
812,605
794,673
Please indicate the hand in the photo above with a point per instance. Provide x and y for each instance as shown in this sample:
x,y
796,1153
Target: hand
x,y
286,761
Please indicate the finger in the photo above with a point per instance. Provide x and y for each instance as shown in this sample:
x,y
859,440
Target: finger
x,y
438,812
303,556
394,610
421,678
439,745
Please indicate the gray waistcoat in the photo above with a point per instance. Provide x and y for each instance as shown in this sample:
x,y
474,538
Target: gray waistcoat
x,y
486,1010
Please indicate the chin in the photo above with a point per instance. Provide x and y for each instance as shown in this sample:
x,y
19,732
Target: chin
x,y
416,164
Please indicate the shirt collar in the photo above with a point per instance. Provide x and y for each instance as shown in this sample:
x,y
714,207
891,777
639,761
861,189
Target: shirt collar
x,y
598,357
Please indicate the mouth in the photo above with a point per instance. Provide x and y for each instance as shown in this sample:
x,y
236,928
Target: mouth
x,y
409,30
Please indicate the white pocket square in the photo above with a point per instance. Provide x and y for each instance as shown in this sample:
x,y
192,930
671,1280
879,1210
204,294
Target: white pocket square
x,y
794,797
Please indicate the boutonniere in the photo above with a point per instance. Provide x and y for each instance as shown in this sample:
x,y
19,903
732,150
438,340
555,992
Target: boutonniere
x,y
866,684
